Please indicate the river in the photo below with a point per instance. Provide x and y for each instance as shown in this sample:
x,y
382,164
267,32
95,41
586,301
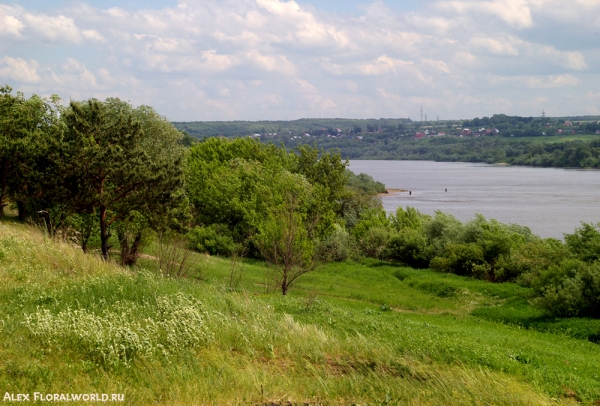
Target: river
x,y
549,201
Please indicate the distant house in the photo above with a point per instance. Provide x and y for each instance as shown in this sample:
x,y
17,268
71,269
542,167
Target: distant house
x,y
597,132
441,133
568,124
419,135
466,131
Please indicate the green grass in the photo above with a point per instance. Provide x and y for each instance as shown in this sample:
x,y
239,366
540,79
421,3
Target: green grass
x,y
362,333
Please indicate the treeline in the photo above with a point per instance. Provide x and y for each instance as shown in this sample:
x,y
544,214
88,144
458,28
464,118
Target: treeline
x,y
564,276
567,154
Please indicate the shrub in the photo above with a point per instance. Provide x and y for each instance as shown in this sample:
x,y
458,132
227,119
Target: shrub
x,y
337,246
571,288
409,247
442,230
374,242
370,218
585,242
526,261
461,259
214,239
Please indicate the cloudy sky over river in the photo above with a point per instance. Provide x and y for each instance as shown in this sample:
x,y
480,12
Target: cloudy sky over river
x,y
271,59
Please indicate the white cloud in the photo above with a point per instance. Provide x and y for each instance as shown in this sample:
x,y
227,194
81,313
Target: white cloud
x,y
568,59
494,46
93,35
537,82
9,22
261,59
515,13
53,28
19,70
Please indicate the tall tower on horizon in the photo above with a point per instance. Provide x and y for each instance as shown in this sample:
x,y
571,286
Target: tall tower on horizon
x,y
421,113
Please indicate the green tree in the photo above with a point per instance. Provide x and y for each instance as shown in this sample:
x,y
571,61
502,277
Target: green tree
x,y
29,129
116,167
585,242
286,239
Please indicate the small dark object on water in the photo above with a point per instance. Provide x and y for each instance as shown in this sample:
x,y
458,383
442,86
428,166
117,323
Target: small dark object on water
x,y
410,192
446,190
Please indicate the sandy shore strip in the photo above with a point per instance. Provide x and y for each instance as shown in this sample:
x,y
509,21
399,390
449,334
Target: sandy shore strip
x,y
390,191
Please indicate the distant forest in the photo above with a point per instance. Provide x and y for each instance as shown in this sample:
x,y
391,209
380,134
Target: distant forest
x,y
534,141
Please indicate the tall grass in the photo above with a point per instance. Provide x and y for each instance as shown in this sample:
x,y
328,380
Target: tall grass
x,y
74,324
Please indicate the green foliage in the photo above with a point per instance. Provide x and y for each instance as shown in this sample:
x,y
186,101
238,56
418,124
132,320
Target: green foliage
x,y
462,259
30,130
374,240
365,183
238,182
570,288
215,239
585,242
408,218
120,160
338,246
441,230
526,261
286,239
371,218
410,247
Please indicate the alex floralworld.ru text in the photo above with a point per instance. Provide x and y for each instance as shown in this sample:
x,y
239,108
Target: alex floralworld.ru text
x,y
62,397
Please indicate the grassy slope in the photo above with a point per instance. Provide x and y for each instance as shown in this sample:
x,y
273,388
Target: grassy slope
x,y
349,333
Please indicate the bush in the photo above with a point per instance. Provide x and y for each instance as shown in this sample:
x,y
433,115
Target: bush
x,y
585,242
337,247
374,242
526,261
569,289
461,259
442,230
409,247
215,239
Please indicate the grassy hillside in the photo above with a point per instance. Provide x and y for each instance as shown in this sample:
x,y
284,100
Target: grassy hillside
x,y
350,333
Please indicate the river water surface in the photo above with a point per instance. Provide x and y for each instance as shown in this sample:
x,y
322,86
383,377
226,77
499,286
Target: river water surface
x,y
549,201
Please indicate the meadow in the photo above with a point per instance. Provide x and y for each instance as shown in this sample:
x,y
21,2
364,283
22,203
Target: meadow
x,y
364,332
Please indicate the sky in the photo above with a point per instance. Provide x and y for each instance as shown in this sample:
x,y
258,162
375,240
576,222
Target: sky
x,y
205,60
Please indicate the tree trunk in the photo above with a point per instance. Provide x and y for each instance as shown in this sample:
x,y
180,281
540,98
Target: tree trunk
x,y
284,284
22,210
46,216
129,255
2,204
2,194
104,234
